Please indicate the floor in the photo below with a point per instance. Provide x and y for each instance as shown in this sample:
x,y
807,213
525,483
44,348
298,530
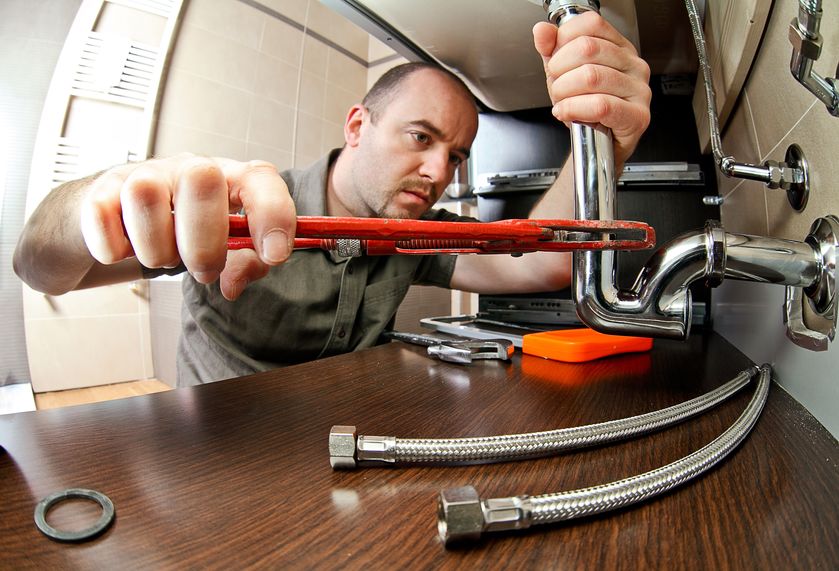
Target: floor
x,y
72,397
16,398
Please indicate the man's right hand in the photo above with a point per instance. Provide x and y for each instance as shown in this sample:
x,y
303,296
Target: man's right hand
x,y
173,210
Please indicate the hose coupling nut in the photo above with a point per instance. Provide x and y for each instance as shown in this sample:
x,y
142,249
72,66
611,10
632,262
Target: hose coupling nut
x,y
342,447
807,45
460,517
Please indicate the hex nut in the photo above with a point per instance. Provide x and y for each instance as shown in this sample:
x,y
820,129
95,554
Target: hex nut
x,y
460,517
810,48
776,172
342,447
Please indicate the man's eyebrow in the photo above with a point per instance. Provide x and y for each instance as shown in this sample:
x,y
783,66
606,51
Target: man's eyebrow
x,y
434,130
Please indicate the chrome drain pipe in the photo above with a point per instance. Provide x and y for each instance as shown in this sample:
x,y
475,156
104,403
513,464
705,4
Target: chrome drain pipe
x,y
462,516
347,450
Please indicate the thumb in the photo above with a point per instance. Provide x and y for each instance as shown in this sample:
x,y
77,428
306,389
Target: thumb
x,y
242,267
544,39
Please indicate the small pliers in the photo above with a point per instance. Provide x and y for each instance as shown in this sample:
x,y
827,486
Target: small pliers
x,y
457,350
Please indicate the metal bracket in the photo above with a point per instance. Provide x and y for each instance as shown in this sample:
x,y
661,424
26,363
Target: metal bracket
x,y
798,191
811,320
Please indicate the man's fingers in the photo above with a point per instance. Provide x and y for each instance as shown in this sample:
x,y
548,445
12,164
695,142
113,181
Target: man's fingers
x,y
598,79
272,217
101,219
147,214
591,24
201,210
544,38
243,267
171,210
589,50
615,113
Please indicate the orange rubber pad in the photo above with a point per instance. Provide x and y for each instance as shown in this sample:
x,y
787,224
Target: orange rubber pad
x,y
579,345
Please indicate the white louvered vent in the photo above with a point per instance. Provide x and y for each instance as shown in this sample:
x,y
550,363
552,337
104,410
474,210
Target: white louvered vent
x,y
76,159
114,69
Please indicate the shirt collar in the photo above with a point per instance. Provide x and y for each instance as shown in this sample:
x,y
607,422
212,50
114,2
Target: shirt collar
x,y
310,202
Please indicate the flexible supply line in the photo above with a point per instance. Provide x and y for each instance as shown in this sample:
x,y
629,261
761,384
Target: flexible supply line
x,y
463,516
772,173
346,450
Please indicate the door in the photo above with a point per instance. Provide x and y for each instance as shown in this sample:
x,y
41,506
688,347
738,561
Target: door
x,y
100,111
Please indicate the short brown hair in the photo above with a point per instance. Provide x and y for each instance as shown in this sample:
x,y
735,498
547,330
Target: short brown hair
x,y
382,92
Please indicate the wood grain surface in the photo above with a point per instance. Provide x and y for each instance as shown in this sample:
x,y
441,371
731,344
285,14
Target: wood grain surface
x,y
236,474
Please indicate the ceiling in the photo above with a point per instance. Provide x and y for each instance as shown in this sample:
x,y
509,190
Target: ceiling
x,y
487,42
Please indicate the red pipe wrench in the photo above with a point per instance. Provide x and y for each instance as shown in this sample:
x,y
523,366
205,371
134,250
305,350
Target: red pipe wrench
x,y
384,236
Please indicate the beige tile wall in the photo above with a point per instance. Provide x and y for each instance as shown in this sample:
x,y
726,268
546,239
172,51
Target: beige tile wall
x,y
773,112
381,59
261,80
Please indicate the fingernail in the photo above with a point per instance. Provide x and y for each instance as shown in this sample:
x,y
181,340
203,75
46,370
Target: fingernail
x,y
275,247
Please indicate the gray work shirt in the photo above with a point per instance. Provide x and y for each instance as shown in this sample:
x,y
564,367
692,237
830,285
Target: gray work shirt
x,y
314,305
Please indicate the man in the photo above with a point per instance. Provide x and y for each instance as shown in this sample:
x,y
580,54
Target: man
x,y
403,144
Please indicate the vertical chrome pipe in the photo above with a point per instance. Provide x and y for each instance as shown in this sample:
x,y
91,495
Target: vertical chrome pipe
x,y
599,302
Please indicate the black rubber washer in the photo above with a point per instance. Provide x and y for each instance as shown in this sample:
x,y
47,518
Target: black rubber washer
x,y
101,525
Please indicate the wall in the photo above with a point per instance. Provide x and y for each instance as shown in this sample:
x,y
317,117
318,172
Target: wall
x,y
267,80
32,33
773,112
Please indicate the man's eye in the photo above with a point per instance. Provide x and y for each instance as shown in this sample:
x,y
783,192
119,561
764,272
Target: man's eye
x,y
455,160
421,137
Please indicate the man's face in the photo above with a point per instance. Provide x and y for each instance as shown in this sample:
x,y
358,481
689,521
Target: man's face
x,y
405,161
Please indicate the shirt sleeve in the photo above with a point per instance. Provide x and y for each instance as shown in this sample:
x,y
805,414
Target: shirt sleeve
x,y
151,273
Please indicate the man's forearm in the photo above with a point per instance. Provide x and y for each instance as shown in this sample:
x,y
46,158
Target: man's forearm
x,y
558,201
51,255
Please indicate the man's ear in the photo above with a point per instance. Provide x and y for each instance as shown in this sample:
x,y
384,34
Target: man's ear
x,y
356,118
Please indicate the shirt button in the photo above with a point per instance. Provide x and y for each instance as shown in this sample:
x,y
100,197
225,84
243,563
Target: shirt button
x,y
349,270
342,334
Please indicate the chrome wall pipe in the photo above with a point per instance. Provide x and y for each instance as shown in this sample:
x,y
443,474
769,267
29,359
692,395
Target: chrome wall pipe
x,y
791,175
806,49
659,303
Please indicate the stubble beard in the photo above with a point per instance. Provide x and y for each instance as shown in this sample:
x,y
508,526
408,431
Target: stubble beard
x,y
389,210
377,196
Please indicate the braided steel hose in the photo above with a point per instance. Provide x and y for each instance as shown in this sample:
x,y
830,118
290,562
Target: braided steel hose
x,y
462,515
346,450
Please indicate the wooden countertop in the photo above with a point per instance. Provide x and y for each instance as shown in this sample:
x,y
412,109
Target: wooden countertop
x,y
236,474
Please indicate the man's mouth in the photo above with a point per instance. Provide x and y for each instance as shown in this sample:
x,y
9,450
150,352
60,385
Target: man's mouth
x,y
421,195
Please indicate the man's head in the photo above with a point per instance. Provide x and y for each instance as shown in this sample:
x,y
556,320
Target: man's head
x,y
404,142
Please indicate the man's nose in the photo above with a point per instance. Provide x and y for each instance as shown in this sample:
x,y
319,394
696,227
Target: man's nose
x,y
436,167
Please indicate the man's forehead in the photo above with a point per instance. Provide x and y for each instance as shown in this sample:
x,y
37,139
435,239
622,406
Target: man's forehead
x,y
435,100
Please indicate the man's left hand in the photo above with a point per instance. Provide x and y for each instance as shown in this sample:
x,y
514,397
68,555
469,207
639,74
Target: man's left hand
x,y
594,75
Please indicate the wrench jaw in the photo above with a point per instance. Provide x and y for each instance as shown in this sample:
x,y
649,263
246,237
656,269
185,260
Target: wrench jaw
x,y
451,354
464,352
